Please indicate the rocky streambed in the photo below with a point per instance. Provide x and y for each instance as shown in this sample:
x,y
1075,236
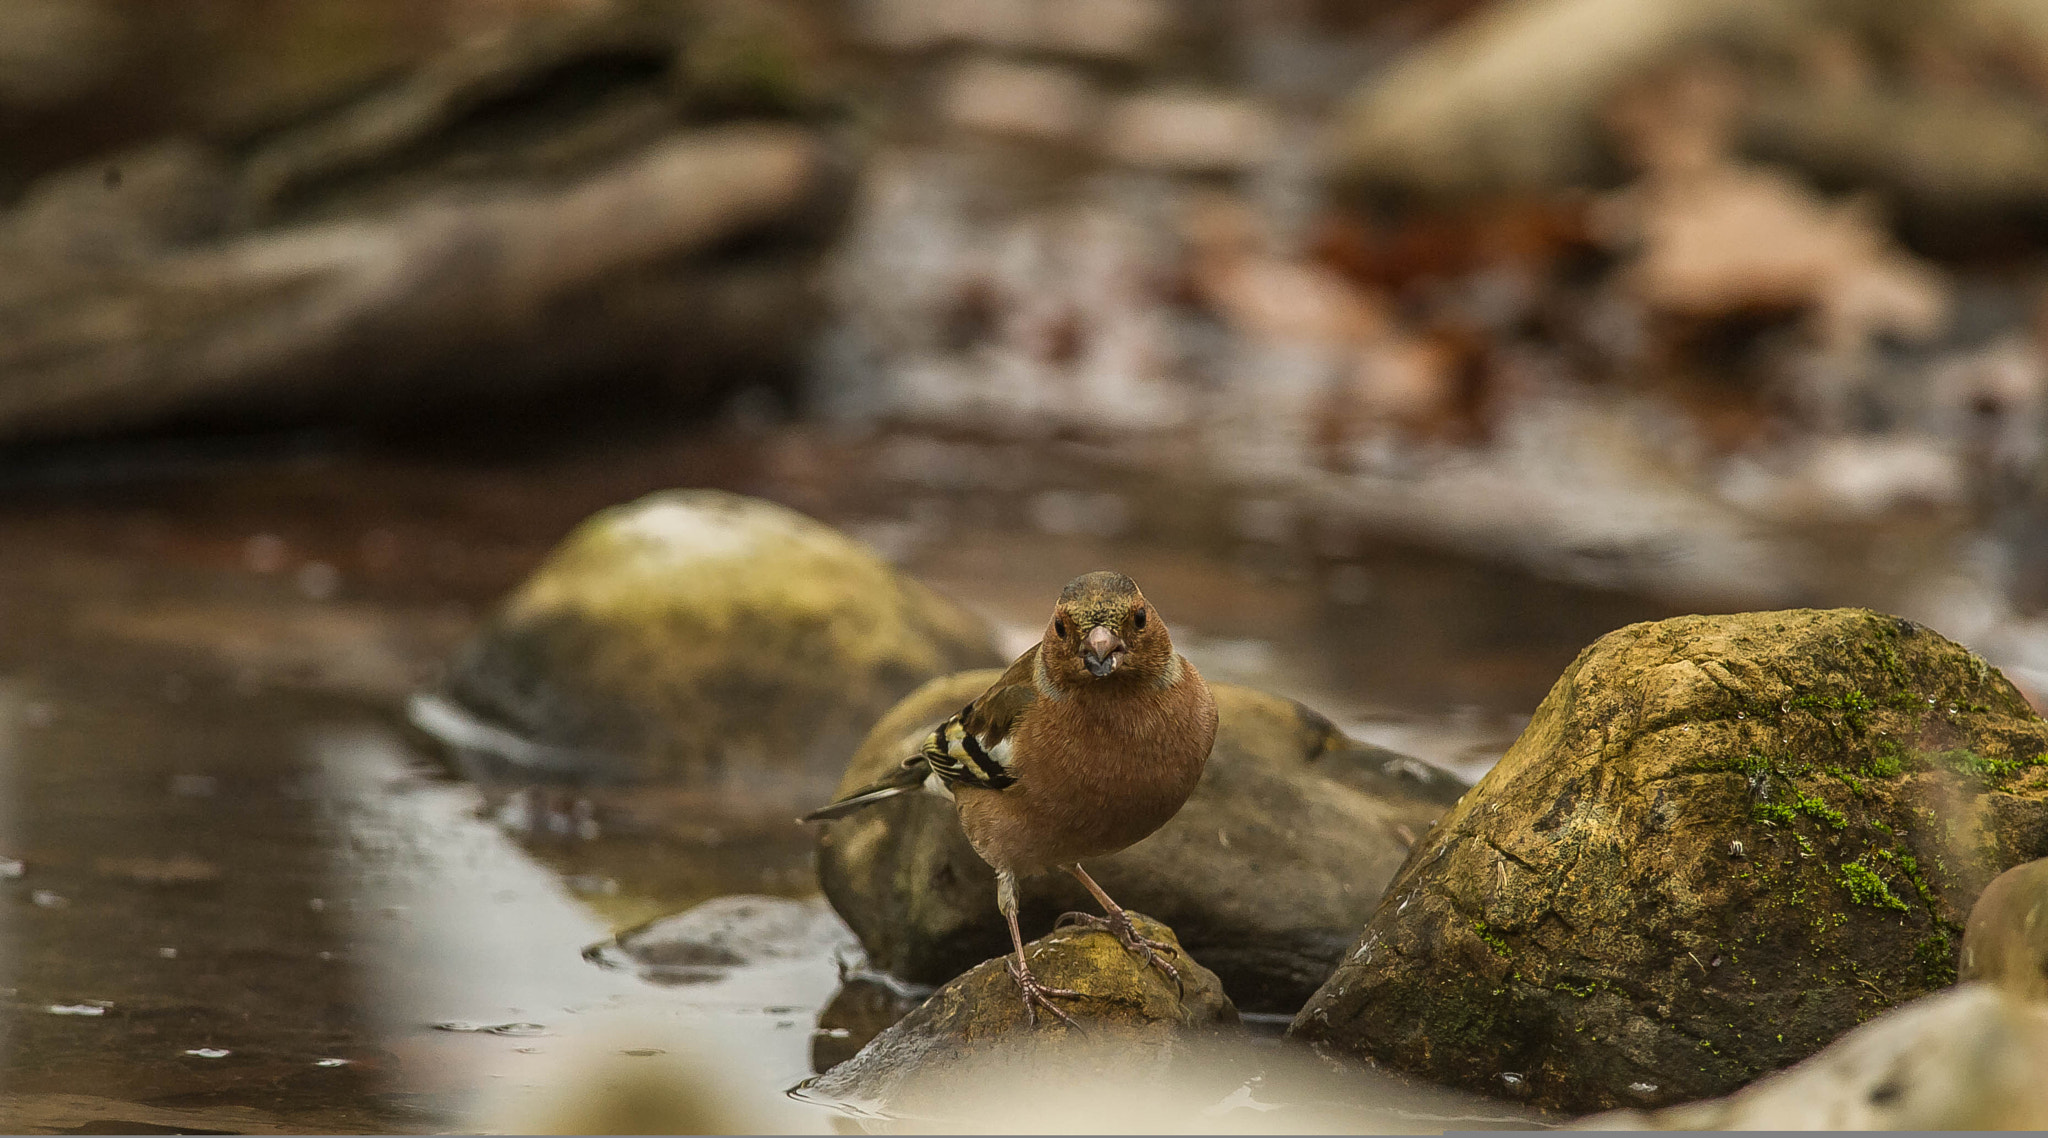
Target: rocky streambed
x,y
1724,847
246,899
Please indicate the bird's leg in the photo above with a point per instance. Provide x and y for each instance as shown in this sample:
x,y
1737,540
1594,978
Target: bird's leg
x,y
1036,995
1118,924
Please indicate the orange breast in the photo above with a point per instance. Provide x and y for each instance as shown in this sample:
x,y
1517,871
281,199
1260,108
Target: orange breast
x,y
1095,773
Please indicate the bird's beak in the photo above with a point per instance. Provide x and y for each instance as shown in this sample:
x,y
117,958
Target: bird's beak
x,y
1103,652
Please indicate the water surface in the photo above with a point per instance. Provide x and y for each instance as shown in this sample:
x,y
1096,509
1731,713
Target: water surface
x,y
248,893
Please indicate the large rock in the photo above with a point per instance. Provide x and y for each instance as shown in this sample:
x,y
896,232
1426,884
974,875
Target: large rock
x,y
1721,842
1266,872
1129,1014
703,637
1969,1058
2006,941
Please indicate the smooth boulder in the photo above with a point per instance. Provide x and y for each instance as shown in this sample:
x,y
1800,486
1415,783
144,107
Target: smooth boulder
x,y
1266,872
2006,941
1129,1018
1721,842
703,637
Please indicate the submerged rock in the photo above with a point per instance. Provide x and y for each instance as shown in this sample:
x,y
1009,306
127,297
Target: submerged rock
x,y
704,636
704,943
1130,1016
1721,842
2006,941
1267,871
1969,1058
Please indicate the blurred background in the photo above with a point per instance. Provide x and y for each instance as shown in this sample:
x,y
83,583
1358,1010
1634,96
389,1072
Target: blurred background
x,y
1400,349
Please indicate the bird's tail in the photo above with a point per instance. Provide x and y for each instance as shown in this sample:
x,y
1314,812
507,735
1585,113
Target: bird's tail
x,y
902,780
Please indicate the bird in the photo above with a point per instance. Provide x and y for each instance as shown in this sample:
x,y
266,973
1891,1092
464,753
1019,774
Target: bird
x,y
1088,743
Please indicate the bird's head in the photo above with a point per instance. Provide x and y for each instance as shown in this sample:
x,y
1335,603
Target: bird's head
x,y
1102,628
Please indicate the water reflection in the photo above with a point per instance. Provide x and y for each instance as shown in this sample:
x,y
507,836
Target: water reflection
x,y
186,979
470,956
229,841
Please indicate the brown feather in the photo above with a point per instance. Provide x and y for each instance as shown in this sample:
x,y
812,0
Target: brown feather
x,y
992,715
1100,762
1096,772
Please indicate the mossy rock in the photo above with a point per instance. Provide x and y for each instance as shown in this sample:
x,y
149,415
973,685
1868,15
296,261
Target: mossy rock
x,y
1130,1018
1267,871
1721,842
702,636
2006,941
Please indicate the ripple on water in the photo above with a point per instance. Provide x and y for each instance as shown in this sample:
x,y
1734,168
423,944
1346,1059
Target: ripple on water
x,y
517,1029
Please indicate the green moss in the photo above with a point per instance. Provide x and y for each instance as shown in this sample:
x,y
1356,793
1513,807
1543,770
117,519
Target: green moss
x,y
1867,888
1852,706
1773,814
1581,992
1854,784
1936,956
1492,939
1784,813
1886,761
1819,811
1853,700
1964,761
1909,867
1993,768
1884,648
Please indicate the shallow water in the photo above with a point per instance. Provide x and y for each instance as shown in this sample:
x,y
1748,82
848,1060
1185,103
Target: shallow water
x,y
238,866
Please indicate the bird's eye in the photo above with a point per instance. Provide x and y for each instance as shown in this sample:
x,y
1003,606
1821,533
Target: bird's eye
x,y
1059,627
1139,620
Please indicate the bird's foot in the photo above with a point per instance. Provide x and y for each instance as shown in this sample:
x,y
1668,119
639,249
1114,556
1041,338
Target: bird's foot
x,y
1037,995
1118,924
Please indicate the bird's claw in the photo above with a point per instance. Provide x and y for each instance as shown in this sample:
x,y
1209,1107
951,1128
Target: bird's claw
x,y
1037,995
1119,926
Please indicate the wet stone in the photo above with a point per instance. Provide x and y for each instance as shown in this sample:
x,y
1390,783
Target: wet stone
x,y
1266,872
1128,1014
1579,917
698,637
707,942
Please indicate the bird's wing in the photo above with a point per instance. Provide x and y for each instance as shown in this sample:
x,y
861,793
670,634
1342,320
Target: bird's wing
x,y
973,747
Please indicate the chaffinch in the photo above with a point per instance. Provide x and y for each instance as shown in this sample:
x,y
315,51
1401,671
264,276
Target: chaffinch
x,y
1089,742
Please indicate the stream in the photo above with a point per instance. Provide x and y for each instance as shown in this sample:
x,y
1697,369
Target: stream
x,y
240,895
